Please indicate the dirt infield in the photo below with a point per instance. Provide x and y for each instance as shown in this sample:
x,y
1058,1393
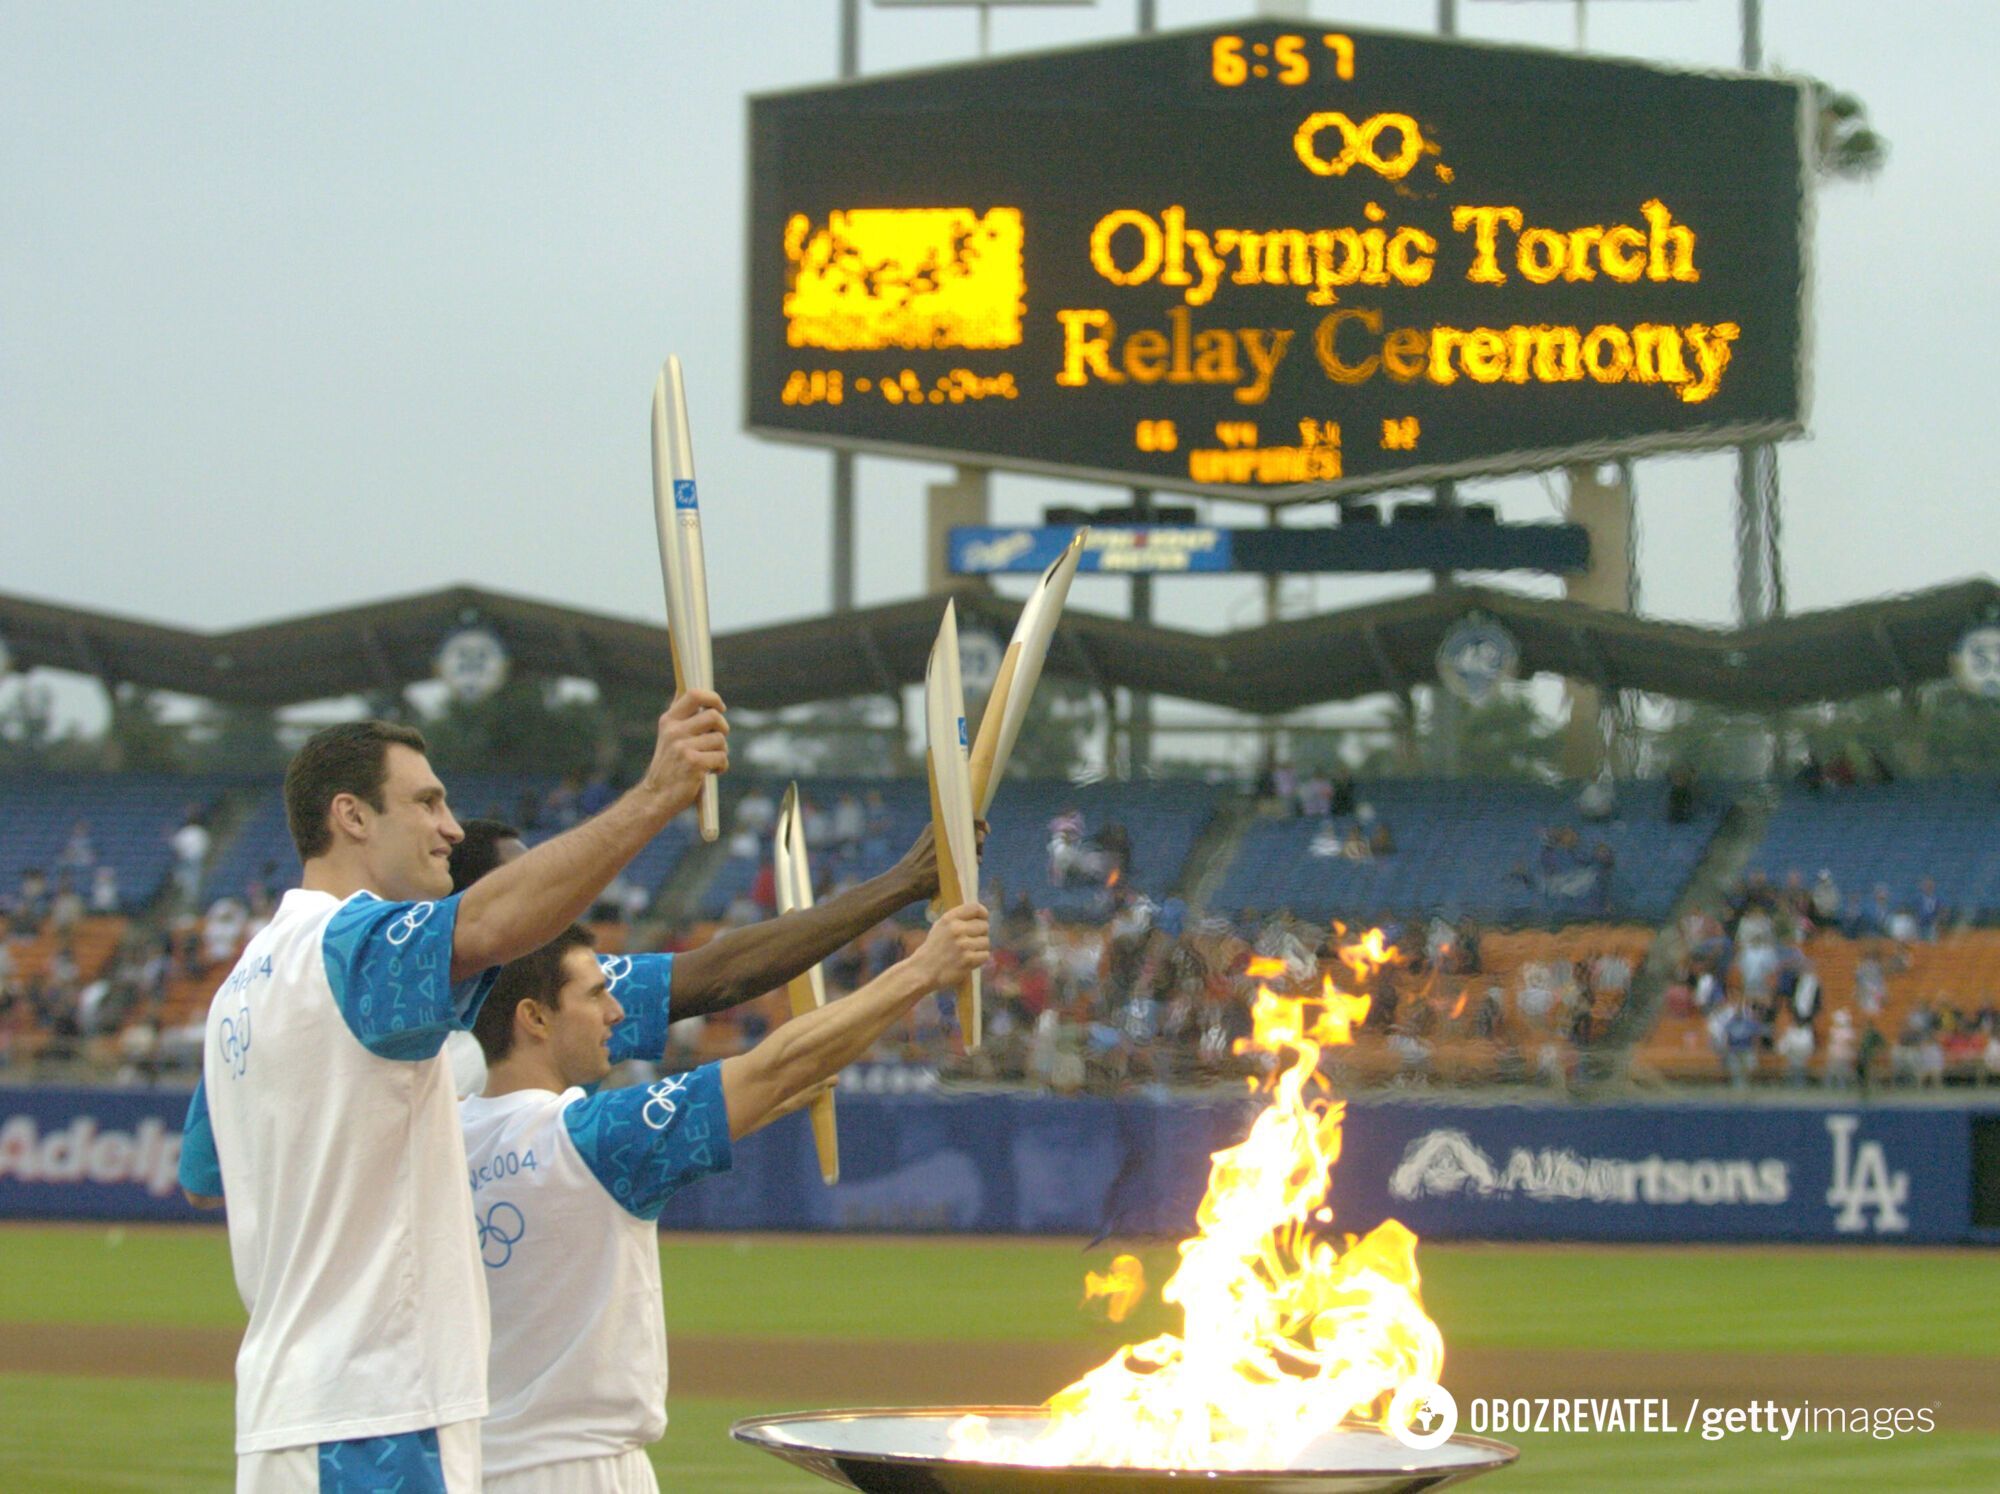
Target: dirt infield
x,y
797,1373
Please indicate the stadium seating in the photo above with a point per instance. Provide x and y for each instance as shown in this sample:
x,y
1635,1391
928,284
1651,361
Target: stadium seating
x,y
1961,970
1896,834
1163,823
130,817
262,840
1467,846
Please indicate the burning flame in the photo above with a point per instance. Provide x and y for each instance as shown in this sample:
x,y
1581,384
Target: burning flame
x,y
1121,1287
1284,1333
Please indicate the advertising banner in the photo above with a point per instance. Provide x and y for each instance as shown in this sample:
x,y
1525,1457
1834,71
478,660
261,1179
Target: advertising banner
x,y
92,1154
1040,1164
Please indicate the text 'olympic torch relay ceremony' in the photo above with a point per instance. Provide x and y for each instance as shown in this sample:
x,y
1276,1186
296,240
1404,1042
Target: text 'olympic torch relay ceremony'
x,y
1477,1010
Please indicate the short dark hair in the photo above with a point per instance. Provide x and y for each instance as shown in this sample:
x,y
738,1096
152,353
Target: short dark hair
x,y
533,977
351,758
477,854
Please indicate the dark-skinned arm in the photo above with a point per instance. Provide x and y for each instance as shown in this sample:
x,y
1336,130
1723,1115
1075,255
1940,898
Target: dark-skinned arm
x,y
744,963
766,1082
519,907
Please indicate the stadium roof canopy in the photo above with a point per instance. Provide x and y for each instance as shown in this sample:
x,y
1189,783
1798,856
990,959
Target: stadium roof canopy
x,y
1266,670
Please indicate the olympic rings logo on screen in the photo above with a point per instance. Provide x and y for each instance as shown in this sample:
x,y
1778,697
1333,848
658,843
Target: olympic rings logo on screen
x,y
615,968
404,929
499,1232
1358,144
233,1038
661,1107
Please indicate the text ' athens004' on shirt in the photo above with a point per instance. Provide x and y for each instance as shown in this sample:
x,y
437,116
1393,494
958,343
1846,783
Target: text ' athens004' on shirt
x,y
326,1116
568,1190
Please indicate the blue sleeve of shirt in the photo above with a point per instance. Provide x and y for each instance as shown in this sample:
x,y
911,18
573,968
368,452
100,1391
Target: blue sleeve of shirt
x,y
390,968
642,984
646,1142
201,1169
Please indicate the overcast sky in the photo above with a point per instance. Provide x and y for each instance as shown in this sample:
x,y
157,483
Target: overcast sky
x,y
306,305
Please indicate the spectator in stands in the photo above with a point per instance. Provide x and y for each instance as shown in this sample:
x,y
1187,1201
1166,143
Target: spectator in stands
x,y
1316,796
1989,1071
1811,774
222,930
1795,1048
104,897
1071,859
1794,916
1825,900
65,908
1906,1063
1843,1050
1879,915
191,843
1610,980
1756,954
1380,841
1930,912
79,855
850,823
31,903
623,901
1798,984
763,895
559,808
1466,949
1868,1061
1345,796
756,812
1871,985
1285,786
1680,795
596,795
1603,878
1599,799
1742,1035
1537,997
1113,842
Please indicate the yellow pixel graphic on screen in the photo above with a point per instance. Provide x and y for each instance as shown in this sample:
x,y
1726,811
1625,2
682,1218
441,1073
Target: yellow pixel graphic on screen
x,y
905,278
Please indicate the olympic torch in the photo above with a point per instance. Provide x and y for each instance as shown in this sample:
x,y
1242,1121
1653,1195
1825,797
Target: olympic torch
x,y
807,989
951,798
683,568
1020,671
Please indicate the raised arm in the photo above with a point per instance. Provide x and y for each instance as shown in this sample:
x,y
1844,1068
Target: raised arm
x,y
756,1086
744,963
519,907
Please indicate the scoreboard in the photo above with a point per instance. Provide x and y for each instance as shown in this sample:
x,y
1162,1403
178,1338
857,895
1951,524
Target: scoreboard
x,y
1278,262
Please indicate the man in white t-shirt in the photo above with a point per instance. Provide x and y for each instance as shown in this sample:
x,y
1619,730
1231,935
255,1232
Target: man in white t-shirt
x,y
568,1186
326,1114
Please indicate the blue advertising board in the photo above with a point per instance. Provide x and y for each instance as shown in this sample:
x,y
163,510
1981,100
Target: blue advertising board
x,y
1039,1164
92,1154
1123,550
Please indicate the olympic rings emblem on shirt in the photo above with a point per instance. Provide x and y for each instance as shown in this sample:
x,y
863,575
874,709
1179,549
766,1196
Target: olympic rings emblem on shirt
x,y
234,1041
499,1232
404,929
615,968
661,1108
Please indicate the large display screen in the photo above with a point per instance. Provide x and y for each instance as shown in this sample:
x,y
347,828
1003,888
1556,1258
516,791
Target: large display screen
x,y
1278,261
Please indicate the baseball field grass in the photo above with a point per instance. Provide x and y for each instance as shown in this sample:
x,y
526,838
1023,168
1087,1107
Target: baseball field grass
x,y
115,1348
